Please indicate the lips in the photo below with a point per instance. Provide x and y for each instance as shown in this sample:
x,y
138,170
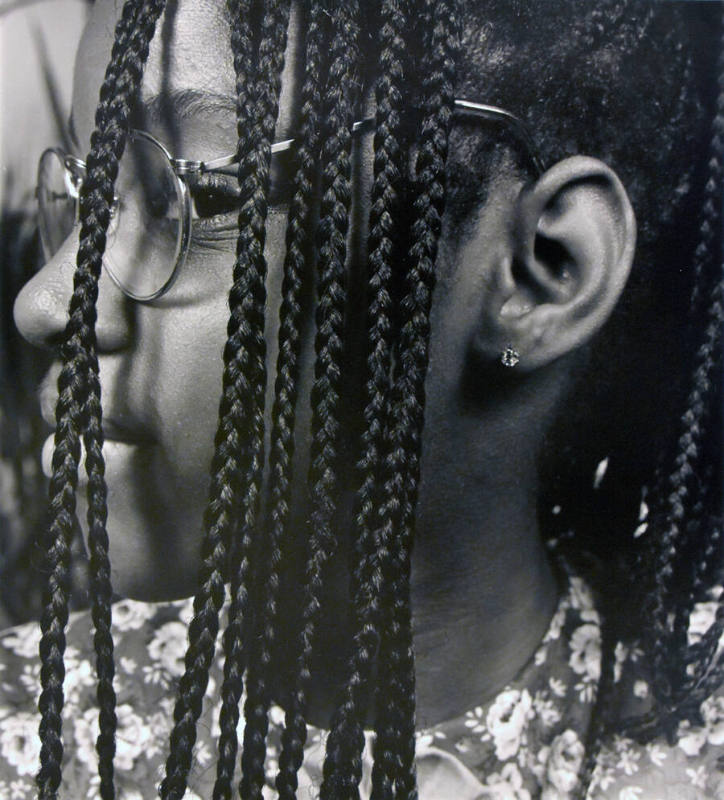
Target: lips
x,y
48,394
115,433
115,451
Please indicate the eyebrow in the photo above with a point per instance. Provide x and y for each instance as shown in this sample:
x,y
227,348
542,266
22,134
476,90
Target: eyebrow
x,y
168,108
185,104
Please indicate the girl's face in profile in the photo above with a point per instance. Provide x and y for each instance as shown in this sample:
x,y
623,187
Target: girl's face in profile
x,y
160,362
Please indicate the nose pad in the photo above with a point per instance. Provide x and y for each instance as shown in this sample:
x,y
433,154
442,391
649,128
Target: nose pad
x,y
41,307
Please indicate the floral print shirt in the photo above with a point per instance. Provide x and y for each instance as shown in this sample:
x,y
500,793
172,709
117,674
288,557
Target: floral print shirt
x,y
526,743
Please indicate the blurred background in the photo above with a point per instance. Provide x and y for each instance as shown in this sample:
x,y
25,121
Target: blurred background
x,y
38,41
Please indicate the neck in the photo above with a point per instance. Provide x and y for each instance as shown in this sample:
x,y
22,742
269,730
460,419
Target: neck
x,y
483,595
483,591
483,587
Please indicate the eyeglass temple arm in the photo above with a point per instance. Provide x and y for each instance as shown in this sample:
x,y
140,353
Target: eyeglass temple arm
x,y
515,123
227,164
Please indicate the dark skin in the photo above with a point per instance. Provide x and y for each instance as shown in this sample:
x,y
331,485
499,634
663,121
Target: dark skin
x,y
483,590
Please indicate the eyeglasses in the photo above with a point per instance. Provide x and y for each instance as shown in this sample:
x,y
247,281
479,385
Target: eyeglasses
x,y
151,216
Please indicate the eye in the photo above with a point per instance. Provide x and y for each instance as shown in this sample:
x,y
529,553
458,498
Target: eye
x,y
216,197
213,195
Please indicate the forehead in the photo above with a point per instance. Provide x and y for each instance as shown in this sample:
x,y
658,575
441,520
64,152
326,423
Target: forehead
x,y
191,50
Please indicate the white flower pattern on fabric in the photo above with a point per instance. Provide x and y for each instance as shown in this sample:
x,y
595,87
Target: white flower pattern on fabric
x,y
25,642
506,785
545,707
525,743
131,737
691,740
168,648
19,742
506,721
564,762
712,712
130,615
586,652
631,793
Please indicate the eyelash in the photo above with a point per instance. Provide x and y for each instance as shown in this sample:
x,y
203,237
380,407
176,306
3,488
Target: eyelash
x,y
213,196
216,199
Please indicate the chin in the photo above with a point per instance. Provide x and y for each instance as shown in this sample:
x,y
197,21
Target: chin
x,y
151,560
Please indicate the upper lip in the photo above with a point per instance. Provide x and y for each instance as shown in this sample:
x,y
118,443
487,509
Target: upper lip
x,y
113,429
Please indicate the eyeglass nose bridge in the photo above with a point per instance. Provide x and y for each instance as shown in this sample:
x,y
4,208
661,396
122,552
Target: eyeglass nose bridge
x,y
75,172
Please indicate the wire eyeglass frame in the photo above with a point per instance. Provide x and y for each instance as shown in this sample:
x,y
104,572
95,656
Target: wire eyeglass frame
x,y
183,168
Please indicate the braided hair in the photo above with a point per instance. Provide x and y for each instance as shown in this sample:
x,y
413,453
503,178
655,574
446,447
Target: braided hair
x,y
79,410
343,764
425,38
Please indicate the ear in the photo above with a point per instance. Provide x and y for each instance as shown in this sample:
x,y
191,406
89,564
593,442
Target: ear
x,y
569,253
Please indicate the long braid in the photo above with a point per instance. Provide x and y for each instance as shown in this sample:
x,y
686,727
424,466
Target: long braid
x,y
710,225
132,43
233,456
268,81
690,442
126,28
266,92
683,675
100,582
242,45
395,725
693,574
338,105
683,497
100,578
79,376
706,274
283,415
677,499
615,24
282,440
343,765
700,656
55,614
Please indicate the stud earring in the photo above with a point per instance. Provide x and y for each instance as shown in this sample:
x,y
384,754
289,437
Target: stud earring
x,y
509,357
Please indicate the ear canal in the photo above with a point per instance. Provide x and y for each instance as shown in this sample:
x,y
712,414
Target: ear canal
x,y
540,259
558,264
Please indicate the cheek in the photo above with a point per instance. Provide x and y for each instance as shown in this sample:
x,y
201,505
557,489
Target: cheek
x,y
181,358
186,401
179,370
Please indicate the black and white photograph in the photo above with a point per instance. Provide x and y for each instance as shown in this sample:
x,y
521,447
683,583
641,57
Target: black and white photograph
x,y
361,399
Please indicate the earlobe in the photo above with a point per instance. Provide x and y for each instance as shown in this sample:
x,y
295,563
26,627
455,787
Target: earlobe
x,y
570,252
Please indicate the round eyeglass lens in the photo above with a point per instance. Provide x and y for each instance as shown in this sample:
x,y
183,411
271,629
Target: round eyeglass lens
x,y
57,201
145,237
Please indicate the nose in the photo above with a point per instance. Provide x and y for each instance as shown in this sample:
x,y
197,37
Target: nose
x,y
41,307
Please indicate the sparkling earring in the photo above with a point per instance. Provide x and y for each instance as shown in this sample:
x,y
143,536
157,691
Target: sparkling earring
x,y
509,357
